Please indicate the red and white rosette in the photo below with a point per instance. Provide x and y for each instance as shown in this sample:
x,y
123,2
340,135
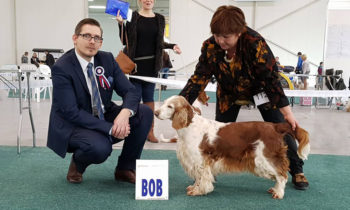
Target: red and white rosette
x,y
99,71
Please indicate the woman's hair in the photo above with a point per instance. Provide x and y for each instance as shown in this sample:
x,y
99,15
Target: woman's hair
x,y
304,57
228,20
139,5
86,21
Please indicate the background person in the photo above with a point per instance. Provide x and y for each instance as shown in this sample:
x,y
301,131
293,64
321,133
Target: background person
x,y
244,66
298,68
50,60
35,60
84,120
24,58
277,59
146,41
320,71
305,70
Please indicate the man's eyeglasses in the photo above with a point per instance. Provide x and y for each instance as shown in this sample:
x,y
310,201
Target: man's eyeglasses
x,y
88,37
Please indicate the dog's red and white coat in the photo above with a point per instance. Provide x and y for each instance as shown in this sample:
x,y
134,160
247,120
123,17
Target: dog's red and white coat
x,y
206,147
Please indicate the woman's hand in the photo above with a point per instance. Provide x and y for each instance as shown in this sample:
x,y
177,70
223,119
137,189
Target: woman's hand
x,y
177,49
289,117
291,120
119,18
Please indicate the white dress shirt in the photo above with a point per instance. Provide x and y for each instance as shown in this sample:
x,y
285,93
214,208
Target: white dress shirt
x,y
83,64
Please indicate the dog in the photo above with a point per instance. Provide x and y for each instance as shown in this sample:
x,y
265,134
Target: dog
x,y
206,148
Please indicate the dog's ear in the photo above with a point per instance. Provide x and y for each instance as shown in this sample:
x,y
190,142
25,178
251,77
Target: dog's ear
x,y
182,117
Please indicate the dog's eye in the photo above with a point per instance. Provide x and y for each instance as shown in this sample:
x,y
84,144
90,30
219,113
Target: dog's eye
x,y
170,106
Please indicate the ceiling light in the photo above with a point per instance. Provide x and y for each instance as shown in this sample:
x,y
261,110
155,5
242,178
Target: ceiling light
x,y
97,7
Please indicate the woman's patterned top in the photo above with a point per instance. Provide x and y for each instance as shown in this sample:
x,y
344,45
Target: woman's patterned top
x,y
253,70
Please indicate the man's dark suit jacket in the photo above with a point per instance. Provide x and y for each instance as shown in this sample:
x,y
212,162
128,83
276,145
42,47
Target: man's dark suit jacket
x,y
71,105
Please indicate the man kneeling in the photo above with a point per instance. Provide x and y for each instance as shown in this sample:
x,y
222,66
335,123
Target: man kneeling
x,y
84,120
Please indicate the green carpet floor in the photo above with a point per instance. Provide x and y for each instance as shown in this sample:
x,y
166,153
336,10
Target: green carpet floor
x,y
36,180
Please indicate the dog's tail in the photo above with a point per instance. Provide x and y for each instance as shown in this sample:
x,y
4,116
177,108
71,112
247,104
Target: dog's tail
x,y
162,139
348,107
300,134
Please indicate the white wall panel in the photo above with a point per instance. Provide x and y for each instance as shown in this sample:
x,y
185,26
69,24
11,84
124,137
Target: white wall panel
x,y
47,23
299,31
7,37
302,28
338,44
111,40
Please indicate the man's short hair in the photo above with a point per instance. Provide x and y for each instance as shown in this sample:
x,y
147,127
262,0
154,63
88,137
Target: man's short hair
x,y
228,20
86,21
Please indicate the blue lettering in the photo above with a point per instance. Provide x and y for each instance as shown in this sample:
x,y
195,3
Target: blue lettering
x,y
144,187
151,187
159,187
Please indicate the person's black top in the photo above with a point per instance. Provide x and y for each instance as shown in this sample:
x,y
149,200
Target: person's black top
x,y
50,60
147,30
35,61
131,28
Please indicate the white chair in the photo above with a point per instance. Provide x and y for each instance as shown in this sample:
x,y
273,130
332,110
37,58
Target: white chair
x,y
40,81
33,84
44,72
8,80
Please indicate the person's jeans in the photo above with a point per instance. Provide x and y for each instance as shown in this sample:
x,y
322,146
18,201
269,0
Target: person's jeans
x,y
164,73
145,89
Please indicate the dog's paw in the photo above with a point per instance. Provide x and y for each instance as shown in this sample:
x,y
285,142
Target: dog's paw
x,y
271,190
277,196
190,187
275,193
193,191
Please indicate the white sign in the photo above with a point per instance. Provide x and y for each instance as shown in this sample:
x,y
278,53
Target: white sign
x,y
152,180
261,98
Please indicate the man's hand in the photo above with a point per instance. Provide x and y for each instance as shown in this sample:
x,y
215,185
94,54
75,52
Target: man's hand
x,y
121,126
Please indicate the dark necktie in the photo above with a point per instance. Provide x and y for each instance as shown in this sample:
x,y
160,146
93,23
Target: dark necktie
x,y
96,106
